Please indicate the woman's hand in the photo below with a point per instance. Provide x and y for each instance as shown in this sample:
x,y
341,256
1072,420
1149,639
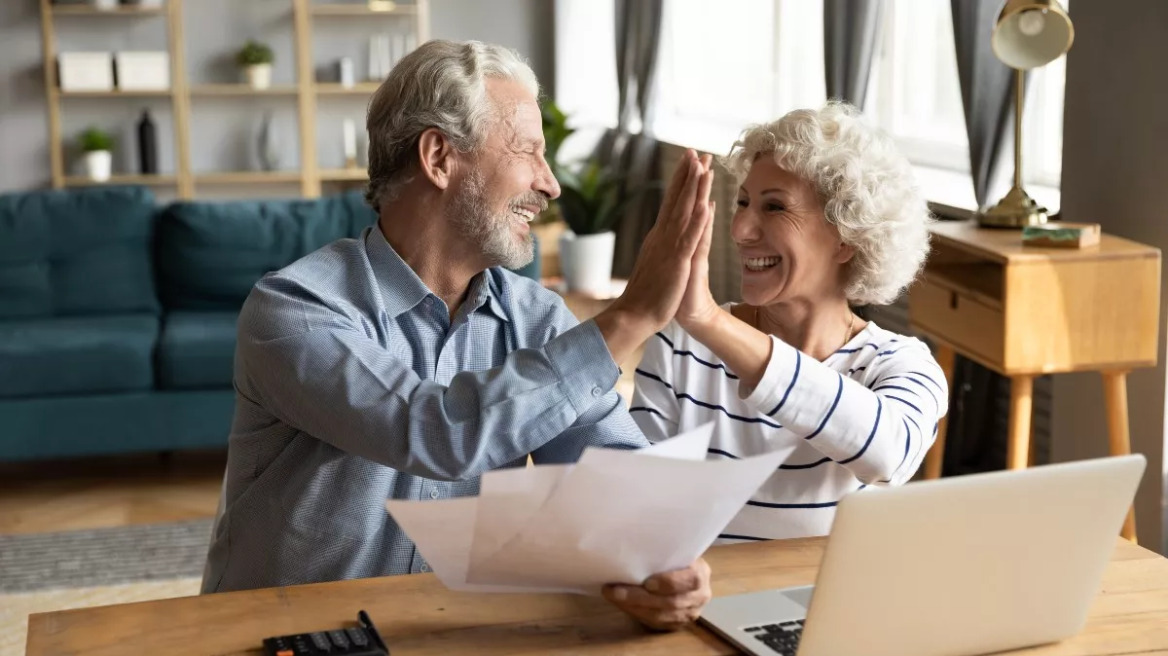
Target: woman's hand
x,y
698,306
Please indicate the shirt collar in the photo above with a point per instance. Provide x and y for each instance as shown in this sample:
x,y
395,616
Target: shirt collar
x,y
402,290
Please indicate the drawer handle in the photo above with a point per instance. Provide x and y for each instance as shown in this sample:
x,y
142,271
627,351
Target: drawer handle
x,y
952,300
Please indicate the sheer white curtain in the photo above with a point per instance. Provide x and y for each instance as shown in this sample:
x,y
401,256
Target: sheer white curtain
x,y
736,62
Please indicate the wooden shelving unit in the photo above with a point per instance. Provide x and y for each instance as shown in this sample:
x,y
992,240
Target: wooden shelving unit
x,y
125,179
359,89
247,177
242,90
344,175
306,91
120,10
117,93
356,10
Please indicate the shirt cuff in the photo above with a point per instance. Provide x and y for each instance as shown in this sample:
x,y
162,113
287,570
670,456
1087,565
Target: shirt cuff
x,y
777,379
584,365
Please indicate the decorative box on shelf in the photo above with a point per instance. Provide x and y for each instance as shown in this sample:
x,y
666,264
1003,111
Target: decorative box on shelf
x,y
142,71
85,71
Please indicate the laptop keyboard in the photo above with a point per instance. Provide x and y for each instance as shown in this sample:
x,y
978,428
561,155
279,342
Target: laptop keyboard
x,y
782,638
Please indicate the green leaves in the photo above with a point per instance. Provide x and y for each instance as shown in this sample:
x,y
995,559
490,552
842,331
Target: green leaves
x,y
555,130
93,140
254,53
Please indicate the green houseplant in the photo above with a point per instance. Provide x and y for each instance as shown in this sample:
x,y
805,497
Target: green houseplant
x,y
256,59
97,146
591,203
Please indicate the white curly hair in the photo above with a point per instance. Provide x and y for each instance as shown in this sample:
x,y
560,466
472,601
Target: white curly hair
x,y
866,187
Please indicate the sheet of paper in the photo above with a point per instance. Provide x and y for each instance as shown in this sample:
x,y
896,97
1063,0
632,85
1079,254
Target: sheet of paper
x,y
615,517
507,500
442,530
690,445
620,518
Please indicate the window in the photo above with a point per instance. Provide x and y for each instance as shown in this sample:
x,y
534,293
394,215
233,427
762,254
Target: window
x,y
726,65
722,70
915,94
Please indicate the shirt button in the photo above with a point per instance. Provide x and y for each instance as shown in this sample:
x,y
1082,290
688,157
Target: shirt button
x,y
425,567
434,494
597,392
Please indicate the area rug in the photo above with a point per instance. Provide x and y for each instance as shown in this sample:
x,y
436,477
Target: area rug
x,y
103,557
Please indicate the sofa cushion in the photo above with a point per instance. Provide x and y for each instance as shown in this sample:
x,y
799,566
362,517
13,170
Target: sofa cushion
x,y
76,252
196,350
210,254
71,355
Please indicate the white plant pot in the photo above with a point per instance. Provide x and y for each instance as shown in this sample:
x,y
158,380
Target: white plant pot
x,y
106,5
259,76
98,164
586,262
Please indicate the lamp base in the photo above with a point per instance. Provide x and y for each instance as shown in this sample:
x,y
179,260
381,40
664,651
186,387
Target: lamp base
x,y
1016,210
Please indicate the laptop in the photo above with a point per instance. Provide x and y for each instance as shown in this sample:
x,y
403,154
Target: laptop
x,y
959,566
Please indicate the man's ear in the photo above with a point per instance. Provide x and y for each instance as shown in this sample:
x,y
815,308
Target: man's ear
x,y
436,156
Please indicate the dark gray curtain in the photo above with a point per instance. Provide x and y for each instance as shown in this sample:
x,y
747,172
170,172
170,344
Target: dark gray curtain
x,y
635,157
851,33
987,92
979,398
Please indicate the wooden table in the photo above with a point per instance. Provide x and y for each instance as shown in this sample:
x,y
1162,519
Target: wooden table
x,y
418,615
1025,311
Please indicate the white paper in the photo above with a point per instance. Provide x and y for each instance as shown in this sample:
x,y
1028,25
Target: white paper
x,y
615,517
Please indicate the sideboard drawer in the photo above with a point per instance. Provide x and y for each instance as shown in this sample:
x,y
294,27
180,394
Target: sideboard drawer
x,y
965,320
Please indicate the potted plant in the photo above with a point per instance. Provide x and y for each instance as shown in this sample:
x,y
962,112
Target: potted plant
x,y
97,145
590,203
256,61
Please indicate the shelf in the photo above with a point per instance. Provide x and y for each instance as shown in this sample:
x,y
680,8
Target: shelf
x,y
121,10
125,179
247,177
242,90
342,175
116,93
362,10
359,89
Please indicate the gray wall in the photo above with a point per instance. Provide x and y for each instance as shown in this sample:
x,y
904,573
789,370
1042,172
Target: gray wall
x,y
223,129
1115,166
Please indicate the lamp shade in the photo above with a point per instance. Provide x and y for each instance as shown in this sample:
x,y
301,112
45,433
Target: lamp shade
x,y
1032,33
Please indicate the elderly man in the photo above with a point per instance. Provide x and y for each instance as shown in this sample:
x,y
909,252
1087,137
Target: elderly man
x,y
407,362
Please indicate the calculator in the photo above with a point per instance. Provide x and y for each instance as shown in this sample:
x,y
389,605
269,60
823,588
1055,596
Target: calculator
x,y
363,640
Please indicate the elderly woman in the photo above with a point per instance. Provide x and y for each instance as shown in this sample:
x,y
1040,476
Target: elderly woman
x,y
827,218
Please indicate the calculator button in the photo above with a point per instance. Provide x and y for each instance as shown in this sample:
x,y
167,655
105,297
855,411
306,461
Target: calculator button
x,y
285,652
321,641
339,639
358,637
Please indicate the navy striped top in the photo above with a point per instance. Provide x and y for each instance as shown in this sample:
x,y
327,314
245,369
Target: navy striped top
x,y
864,416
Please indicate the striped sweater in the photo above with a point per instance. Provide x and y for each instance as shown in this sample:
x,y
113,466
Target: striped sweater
x,y
864,416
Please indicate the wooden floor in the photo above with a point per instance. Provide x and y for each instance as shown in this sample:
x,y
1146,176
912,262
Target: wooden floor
x,y
50,496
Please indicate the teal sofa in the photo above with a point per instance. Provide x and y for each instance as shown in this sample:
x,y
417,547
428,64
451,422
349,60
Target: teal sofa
x,y
117,316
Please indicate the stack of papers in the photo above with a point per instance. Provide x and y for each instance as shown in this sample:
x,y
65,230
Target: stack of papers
x,y
616,516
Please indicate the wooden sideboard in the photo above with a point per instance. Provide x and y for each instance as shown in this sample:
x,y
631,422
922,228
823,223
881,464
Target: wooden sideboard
x,y
1025,311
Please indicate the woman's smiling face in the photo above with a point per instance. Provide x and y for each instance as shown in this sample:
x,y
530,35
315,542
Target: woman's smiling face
x,y
788,249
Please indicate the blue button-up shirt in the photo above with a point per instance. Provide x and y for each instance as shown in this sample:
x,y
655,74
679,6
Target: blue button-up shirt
x,y
354,386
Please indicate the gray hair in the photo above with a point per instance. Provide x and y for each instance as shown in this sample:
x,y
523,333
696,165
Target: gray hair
x,y
866,186
440,85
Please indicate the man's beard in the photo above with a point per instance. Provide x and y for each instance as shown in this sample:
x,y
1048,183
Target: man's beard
x,y
493,232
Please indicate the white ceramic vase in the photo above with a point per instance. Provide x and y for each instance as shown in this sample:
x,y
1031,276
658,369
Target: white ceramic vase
x,y
586,262
259,76
98,164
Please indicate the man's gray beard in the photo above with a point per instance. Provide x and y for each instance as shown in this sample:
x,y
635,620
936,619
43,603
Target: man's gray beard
x,y
493,233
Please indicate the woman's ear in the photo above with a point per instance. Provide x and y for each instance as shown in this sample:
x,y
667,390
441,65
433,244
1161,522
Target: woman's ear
x,y
844,253
436,157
